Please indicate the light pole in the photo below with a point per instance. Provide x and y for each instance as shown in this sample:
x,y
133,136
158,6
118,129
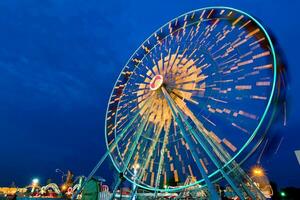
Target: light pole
x,y
62,174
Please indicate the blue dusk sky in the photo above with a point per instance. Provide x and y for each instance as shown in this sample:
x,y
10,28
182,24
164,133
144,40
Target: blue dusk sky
x,y
59,60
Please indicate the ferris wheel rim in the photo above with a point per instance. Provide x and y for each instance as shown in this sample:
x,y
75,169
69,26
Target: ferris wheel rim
x,y
253,134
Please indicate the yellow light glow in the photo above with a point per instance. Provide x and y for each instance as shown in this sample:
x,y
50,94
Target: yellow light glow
x,y
136,166
63,187
258,171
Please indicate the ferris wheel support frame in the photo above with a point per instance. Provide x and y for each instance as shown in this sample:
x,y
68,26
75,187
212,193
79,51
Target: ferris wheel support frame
x,y
175,110
211,188
218,148
209,184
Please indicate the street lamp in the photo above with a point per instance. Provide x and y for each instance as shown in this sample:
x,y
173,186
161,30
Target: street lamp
x,y
34,184
258,171
35,181
62,174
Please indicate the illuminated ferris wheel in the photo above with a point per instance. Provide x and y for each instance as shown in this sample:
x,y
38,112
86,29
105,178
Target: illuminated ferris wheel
x,y
190,100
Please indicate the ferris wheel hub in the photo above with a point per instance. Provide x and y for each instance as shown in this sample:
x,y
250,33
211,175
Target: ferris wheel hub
x,y
156,82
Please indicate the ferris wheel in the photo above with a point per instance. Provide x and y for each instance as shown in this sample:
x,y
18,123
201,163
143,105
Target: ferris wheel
x,y
190,100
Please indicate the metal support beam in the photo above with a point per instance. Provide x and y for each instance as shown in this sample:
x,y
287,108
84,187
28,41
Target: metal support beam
x,y
212,190
161,160
202,143
133,193
91,174
115,189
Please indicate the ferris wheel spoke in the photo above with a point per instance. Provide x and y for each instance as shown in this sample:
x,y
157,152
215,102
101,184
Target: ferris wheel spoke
x,y
135,143
120,135
161,158
146,163
114,143
212,139
174,58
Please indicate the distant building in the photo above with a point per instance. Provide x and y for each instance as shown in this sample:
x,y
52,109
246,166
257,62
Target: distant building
x,y
297,152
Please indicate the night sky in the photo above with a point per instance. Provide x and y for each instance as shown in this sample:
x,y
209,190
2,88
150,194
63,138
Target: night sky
x,y
59,60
